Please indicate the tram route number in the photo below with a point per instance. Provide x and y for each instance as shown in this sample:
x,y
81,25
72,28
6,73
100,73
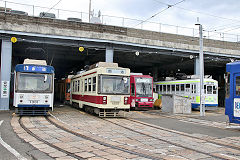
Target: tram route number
x,y
236,107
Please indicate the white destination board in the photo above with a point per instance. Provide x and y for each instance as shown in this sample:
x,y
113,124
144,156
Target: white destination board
x,y
236,109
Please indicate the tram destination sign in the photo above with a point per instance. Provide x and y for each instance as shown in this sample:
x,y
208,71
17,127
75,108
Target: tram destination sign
x,y
236,110
116,71
35,68
143,80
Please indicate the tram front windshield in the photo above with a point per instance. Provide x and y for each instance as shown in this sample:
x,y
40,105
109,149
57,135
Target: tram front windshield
x,y
32,82
114,85
143,87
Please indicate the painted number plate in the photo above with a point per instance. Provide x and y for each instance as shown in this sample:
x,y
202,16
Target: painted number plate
x,y
144,100
115,99
236,110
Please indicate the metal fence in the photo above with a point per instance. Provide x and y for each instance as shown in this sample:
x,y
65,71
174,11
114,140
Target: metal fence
x,y
32,10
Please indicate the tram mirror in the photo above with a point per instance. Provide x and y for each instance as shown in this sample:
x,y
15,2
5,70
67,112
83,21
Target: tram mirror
x,y
125,79
45,78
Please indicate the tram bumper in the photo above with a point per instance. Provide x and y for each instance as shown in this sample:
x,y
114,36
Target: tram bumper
x,y
144,104
32,109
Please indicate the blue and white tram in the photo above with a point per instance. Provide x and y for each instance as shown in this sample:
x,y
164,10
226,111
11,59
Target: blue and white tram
x,y
33,88
232,97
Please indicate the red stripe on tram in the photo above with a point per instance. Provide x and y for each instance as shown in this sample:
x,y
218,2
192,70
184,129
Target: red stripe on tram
x,y
88,98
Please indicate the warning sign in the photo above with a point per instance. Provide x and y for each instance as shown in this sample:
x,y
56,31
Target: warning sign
x,y
5,89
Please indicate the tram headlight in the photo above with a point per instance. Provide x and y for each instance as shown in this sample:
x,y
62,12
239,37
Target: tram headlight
x,y
150,100
125,100
104,99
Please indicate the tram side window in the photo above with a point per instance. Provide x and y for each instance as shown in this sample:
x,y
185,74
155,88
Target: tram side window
x,y
85,85
188,88
177,88
73,86
182,87
214,89
132,90
173,88
82,85
168,88
238,86
161,88
78,86
205,89
94,84
209,89
89,84
164,88
157,88
227,85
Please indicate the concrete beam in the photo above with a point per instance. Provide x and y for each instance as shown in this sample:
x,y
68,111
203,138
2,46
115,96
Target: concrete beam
x,y
6,57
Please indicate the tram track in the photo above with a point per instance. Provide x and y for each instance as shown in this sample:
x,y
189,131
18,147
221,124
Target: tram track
x,y
46,142
214,155
191,120
52,120
172,143
186,135
99,142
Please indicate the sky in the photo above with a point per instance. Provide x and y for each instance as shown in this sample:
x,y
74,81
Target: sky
x,y
214,15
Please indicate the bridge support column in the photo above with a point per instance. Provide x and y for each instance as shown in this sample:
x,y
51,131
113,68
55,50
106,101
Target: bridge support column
x,y
109,55
6,57
196,66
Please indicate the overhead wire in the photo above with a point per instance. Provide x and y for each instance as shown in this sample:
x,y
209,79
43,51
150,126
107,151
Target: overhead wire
x,y
168,6
53,6
204,13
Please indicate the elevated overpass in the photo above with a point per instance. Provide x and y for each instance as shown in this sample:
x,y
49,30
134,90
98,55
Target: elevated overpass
x,y
160,53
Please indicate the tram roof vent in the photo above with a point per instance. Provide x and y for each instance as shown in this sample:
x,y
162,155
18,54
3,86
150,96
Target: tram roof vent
x,y
103,64
70,76
35,61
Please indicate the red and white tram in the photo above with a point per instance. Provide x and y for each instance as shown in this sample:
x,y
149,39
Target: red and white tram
x,y
103,90
141,95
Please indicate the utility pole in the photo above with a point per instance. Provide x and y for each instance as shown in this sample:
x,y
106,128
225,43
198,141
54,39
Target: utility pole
x,y
89,14
201,64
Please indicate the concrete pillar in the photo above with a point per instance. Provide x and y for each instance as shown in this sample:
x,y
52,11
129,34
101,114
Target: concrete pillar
x,y
6,57
196,66
109,55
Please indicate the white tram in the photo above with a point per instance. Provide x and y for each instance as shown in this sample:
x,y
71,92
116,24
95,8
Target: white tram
x,y
191,88
33,87
103,90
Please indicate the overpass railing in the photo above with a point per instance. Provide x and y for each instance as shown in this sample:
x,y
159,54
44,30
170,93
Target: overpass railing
x,y
33,10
